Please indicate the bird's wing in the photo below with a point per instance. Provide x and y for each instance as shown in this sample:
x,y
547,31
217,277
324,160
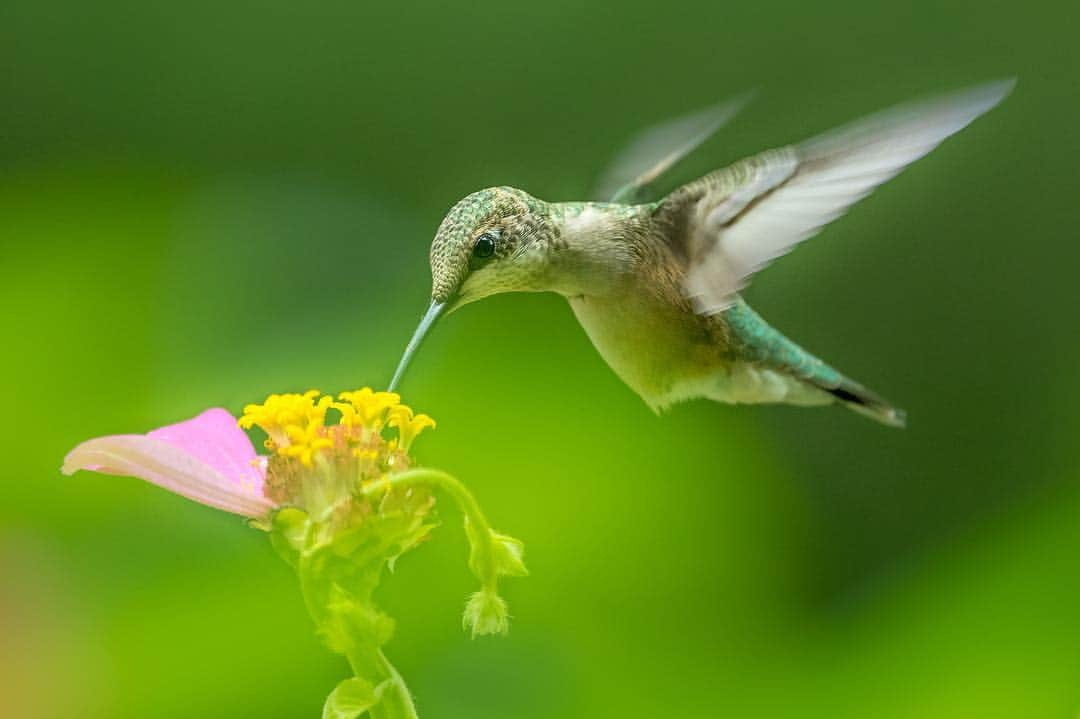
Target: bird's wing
x,y
657,149
739,219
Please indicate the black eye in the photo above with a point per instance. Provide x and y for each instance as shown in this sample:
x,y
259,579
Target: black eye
x,y
484,247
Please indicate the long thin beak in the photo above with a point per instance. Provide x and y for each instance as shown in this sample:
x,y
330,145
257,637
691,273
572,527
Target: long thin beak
x,y
430,316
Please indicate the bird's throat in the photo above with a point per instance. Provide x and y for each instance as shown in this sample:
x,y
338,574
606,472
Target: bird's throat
x,y
594,250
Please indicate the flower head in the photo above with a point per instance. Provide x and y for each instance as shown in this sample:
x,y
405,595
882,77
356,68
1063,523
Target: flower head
x,y
325,451
322,452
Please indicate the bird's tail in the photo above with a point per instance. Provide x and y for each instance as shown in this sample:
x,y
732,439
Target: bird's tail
x,y
859,399
762,343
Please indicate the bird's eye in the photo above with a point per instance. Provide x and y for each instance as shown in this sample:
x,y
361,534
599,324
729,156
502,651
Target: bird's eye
x,y
484,247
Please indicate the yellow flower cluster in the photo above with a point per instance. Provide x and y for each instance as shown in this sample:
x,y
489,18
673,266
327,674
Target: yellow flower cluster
x,y
296,423
366,408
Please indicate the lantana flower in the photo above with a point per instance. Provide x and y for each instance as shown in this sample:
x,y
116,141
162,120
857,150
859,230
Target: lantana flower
x,y
340,501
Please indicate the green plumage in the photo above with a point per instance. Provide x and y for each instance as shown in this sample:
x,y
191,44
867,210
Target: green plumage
x,y
760,342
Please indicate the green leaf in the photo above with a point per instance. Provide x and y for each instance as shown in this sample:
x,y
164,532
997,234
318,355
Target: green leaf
x,y
410,541
288,533
350,699
509,555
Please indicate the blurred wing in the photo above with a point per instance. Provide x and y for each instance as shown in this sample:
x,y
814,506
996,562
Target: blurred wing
x,y
760,208
656,150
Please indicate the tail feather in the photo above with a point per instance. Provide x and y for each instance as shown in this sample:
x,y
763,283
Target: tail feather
x,y
859,399
761,343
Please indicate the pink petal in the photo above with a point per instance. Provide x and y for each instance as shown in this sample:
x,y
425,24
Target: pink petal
x,y
208,459
215,439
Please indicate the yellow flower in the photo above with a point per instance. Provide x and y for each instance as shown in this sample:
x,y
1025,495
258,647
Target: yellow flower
x,y
408,425
299,433
295,423
304,442
281,411
365,407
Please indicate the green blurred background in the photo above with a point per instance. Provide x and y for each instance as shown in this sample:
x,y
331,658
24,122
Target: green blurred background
x,y
204,202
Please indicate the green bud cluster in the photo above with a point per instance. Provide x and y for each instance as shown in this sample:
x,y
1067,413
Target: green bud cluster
x,y
341,556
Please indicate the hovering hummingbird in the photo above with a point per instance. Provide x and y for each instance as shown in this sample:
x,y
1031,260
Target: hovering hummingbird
x,y
656,283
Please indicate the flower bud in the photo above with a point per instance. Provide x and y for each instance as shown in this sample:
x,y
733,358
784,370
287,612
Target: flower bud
x,y
485,613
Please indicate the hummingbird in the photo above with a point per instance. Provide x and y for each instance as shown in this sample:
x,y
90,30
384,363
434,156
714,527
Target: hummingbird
x,y
656,283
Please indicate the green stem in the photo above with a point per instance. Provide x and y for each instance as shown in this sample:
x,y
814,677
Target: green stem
x,y
365,658
395,701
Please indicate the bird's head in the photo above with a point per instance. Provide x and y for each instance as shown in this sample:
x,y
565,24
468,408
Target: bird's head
x,y
483,246
492,241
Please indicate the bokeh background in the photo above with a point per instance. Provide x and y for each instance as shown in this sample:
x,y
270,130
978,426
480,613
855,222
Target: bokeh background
x,y
204,202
